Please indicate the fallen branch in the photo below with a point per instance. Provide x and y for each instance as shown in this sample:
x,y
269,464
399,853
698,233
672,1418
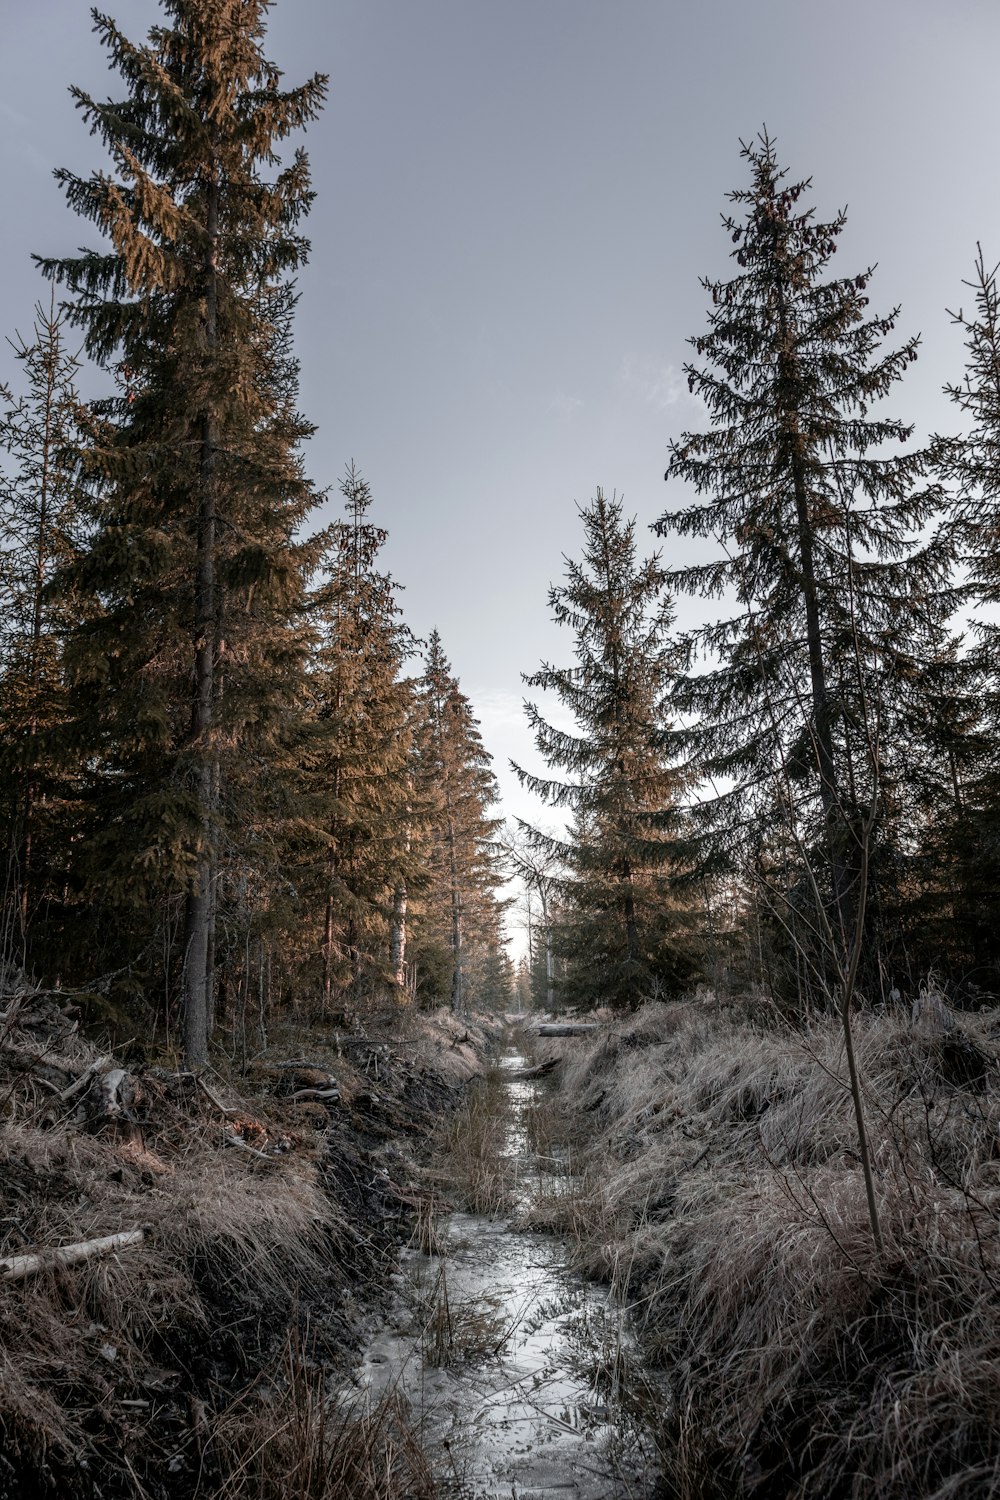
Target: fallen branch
x,y
237,1140
18,1267
214,1098
521,1075
315,1094
99,1065
565,1028
300,1064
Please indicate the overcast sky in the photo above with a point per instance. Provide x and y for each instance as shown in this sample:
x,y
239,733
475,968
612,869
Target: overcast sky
x,y
516,199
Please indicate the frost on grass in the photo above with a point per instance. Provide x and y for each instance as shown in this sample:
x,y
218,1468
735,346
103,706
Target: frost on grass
x,y
721,1188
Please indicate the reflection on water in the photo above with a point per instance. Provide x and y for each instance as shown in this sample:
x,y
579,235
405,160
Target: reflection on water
x,y
500,1352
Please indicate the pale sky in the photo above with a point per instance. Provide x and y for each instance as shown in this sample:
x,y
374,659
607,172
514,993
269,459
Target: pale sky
x,y
516,199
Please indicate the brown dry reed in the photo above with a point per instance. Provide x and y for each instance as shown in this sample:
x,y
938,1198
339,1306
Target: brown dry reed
x,y
472,1156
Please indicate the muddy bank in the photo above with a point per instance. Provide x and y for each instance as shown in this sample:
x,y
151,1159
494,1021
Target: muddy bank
x,y
265,1212
720,1188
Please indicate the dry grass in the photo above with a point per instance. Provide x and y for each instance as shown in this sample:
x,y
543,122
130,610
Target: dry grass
x,y
472,1157
291,1440
90,1352
456,1330
111,1372
722,1187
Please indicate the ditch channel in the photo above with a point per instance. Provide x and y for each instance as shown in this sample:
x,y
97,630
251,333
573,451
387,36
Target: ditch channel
x,y
515,1371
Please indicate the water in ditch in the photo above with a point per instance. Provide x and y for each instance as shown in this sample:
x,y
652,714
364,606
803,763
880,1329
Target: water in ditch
x,y
511,1366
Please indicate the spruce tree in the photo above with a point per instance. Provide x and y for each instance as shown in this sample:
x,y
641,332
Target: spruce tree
x,y
355,802
537,867
831,608
963,845
972,461
623,929
459,915
195,654
40,524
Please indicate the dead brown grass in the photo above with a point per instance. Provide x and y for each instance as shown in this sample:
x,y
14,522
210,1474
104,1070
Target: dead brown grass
x,y
291,1439
112,1372
722,1186
471,1159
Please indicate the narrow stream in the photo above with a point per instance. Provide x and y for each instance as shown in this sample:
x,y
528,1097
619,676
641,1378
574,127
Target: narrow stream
x,y
507,1360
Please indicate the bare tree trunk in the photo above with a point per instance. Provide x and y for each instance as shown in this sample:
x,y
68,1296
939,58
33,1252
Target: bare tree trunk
x,y
328,945
41,561
457,977
397,931
397,936
820,698
631,926
549,962
198,915
213,906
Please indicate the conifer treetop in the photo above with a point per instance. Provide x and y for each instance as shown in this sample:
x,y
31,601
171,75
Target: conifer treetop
x,y
819,518
205,111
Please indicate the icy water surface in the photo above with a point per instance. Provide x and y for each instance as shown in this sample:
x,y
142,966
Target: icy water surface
x,y
508,1361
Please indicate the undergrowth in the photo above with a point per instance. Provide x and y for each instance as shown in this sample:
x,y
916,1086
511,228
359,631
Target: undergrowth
x,y
252,1203
721,1189
289,1439
473,1158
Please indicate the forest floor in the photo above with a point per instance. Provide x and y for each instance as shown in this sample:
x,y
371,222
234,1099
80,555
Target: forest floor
x,y
262,1213
717,1186
315,1297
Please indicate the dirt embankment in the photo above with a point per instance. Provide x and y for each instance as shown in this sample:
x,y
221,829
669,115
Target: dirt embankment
x,y
262,1213
721,1188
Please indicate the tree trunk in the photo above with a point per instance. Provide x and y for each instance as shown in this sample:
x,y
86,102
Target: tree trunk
x,y
328,944
631,926
397,930
397,936
40,568
549,962
830,798
457,977
199,912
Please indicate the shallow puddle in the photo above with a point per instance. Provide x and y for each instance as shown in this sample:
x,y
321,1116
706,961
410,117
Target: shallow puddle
x,y
508,1360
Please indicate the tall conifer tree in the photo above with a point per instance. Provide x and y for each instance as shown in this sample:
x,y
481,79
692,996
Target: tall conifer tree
x,y
40,523
459,909
964,850
623,927
193,655
355,800
834,609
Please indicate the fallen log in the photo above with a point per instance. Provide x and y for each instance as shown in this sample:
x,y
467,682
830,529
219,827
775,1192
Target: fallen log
x,y
565,1028
98,1066
18,1267
522,1075
31,1062
214,1098
301,1065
